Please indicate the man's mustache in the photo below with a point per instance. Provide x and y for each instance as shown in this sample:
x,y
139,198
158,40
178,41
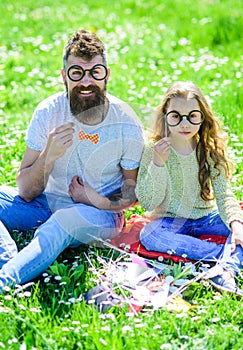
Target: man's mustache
x,y
82,88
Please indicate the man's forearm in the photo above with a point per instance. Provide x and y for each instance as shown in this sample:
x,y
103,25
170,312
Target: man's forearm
x,y
32,180
119,201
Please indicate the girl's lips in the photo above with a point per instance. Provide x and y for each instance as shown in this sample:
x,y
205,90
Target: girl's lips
x,y
184,132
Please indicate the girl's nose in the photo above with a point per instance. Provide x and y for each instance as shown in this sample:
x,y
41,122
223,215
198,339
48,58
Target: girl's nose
x,y
184,122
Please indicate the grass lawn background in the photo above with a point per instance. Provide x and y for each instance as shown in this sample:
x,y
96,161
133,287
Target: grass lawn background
x,y
150,44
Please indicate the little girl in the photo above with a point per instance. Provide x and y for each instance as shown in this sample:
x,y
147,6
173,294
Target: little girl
x,y
184,182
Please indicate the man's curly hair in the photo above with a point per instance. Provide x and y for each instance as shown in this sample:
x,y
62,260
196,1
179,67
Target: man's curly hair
x,y
84,44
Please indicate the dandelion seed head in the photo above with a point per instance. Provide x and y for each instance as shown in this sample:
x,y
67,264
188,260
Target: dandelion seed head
x,y
34,309
165,346
196,318
22,307
103,341
72,300
184,42
75,322
58,278
21,295
126,329
65,329
181,315
139,325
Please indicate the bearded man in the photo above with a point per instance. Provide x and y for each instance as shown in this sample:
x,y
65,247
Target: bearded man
x,y
79,169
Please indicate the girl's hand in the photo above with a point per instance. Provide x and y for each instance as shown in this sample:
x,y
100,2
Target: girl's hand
x,y
161,151
237,235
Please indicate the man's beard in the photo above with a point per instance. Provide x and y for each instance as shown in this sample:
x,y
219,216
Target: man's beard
x,y
87,109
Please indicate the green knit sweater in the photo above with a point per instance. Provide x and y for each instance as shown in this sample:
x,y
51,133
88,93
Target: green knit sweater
x,y
174,191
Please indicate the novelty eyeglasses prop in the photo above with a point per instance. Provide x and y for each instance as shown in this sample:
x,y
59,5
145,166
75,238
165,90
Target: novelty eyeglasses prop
x,y
174,118
76,72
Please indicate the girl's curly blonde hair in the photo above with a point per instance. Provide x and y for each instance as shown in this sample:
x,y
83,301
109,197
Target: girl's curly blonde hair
x,y
212,140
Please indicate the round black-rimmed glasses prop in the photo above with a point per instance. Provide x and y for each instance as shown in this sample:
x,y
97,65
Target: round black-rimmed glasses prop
x,y
76,72
174,118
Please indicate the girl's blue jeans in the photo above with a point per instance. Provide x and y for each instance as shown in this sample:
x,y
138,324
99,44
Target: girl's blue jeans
x,y
70,226
179,236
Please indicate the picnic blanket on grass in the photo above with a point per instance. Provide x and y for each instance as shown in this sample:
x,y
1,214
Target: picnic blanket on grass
x,y
129,240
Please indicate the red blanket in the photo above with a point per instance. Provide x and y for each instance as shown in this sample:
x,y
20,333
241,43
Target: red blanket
x,y
129,240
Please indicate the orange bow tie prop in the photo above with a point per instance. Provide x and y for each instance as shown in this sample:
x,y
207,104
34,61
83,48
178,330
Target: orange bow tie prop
x,y
93,138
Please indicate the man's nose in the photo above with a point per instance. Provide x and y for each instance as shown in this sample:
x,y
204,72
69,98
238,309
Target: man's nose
x,y
86,78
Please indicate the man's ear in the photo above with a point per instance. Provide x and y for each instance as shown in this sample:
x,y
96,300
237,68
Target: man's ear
x,y
108,74
64,77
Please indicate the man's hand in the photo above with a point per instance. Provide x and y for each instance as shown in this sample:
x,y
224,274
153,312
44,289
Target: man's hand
x,y
81,192
36,167
60,139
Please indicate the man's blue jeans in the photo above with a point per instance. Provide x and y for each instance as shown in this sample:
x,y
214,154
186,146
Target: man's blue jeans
x,y
70,226
179,236
16,214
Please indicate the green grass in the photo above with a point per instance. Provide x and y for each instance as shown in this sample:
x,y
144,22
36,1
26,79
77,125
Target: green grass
x,y
150,43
